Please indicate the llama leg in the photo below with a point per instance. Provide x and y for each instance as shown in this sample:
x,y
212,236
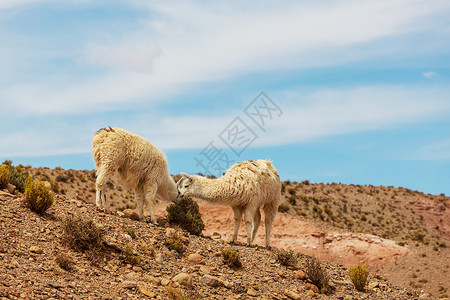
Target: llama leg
x,y
237,222
248,218
269,215
139,199
256,221
150,193
100,195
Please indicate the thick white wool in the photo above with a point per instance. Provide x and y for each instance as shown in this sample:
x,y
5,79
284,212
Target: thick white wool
x,y
246,187
140,165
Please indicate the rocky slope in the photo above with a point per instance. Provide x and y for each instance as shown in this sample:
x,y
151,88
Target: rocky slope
x,y
31,244
401,234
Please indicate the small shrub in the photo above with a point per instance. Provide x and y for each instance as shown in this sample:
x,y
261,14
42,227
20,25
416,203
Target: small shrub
x,y
316,273
305,182
363,217
359,275
82,235
64,260
291,191
231,257
38,197
174,293
17,176
185,213
130,232
328,210
287,258
174,242
129,256
62,178
283,208
292,200
4,176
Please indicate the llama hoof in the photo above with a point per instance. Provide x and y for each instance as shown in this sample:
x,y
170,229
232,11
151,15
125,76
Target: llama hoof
x,y
232,242
269,247
149,221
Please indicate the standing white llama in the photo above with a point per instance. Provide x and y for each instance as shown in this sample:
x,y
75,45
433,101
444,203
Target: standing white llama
x,y
140,165
246,187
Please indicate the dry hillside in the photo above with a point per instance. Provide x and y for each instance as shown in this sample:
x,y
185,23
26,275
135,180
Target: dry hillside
x,y
410,220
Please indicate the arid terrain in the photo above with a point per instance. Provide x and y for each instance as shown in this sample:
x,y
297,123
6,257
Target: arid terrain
x,y
401,235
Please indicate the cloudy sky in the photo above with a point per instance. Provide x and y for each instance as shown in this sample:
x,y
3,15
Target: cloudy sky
x,y
354,91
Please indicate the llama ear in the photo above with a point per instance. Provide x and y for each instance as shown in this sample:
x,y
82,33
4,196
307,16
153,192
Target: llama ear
x,y
188,176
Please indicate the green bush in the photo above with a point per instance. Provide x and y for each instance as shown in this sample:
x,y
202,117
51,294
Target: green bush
x,y
82,235
231,257
38,197
4,176
185,213
287,258
359,275
17,175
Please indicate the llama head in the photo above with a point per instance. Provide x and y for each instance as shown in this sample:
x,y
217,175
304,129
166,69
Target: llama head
x,y
185,185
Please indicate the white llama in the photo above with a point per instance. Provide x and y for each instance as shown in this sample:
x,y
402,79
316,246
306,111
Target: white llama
x,y
140,165
246,187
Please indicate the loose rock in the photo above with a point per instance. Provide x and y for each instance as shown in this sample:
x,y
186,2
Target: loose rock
x,y
292,295
195,259
312,287
129,284
183,279
300,275
211,281
131,214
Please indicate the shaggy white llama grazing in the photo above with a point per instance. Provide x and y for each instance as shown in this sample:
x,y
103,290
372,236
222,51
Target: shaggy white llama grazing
x,y
246,187
140,165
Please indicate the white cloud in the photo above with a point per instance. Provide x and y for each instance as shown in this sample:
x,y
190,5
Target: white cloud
x,y
306,116
429,74
8,4
129,57
341,111
188,42
438,150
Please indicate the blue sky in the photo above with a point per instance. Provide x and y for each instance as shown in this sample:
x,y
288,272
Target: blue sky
x,y
362,86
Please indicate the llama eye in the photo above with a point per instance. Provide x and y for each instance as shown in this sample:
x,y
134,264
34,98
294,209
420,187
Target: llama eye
x,y
186,186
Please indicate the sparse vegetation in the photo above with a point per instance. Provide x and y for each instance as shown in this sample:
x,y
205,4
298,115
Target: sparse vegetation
x,y
185,213
131,233
174,242
283,208
18,176
287,258
317,274
359,275
231,257
82,235
174,293
130,256
64,260
4,176
38,197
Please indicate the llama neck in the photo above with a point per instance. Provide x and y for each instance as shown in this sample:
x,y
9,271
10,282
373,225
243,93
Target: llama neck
x,y
172,191
211,190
